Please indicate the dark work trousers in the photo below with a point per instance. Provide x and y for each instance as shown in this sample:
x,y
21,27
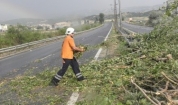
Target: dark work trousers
x,y
75,67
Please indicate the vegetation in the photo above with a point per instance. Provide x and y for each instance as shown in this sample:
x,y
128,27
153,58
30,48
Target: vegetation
x,y
150,18
171,8
101,18
154,62
137,14
154,18
18,35
22,34
86,27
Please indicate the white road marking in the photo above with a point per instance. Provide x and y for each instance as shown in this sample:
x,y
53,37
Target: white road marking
x,y
73,98
75,95
99,51
45,57
108,34
97,54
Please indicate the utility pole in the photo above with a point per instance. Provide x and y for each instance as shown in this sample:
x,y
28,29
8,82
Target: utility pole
x,y
167,3
115,17
120,14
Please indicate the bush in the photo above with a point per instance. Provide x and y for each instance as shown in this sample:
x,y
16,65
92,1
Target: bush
x,y
21,34
61,31
154,18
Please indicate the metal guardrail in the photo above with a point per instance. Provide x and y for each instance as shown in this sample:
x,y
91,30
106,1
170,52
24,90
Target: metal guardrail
x,y
127,34
129,31
28,45
3,50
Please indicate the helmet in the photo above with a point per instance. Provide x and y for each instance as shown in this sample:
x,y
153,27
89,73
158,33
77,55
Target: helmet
x,y
69,31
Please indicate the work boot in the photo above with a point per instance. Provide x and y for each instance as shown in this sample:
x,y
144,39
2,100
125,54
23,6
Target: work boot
x,y
81,78
54,81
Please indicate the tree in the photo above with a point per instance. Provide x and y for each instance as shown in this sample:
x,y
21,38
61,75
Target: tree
x,y
39,27
17,34
154,18
21,34
171,8
101,18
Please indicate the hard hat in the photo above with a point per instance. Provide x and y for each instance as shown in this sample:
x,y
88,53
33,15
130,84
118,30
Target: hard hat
x,y
69,31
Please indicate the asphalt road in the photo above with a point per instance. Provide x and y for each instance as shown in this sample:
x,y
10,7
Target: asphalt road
x,y
137,29
49,56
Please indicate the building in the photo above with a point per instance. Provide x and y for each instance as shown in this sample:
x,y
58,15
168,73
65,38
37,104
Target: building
x,y
91,21
45,26
130,19
82,22
3,27
62,25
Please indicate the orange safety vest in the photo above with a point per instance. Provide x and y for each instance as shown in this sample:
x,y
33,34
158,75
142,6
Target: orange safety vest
x,y
67,48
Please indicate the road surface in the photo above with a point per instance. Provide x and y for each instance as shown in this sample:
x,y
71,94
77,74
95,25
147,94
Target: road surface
x,y
49,56
137,29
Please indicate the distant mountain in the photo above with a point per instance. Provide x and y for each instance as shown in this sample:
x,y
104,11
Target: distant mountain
x,y
24,21
142,8
32,21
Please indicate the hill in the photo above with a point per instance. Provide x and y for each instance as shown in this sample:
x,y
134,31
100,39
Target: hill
x,y
141,8
24,21
32,21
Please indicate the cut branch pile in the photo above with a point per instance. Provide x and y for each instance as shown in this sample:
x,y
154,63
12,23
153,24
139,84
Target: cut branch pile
x,y
161,91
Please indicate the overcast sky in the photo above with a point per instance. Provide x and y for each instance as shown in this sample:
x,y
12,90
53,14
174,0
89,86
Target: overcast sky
x,y
12,9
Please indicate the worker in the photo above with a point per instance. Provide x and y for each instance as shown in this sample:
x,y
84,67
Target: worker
x,y
67,54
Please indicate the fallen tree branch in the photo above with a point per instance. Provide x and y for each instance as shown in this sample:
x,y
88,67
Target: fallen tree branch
x,y
168,98
166,87
144,93
160,59
159,103
168,78
175,102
